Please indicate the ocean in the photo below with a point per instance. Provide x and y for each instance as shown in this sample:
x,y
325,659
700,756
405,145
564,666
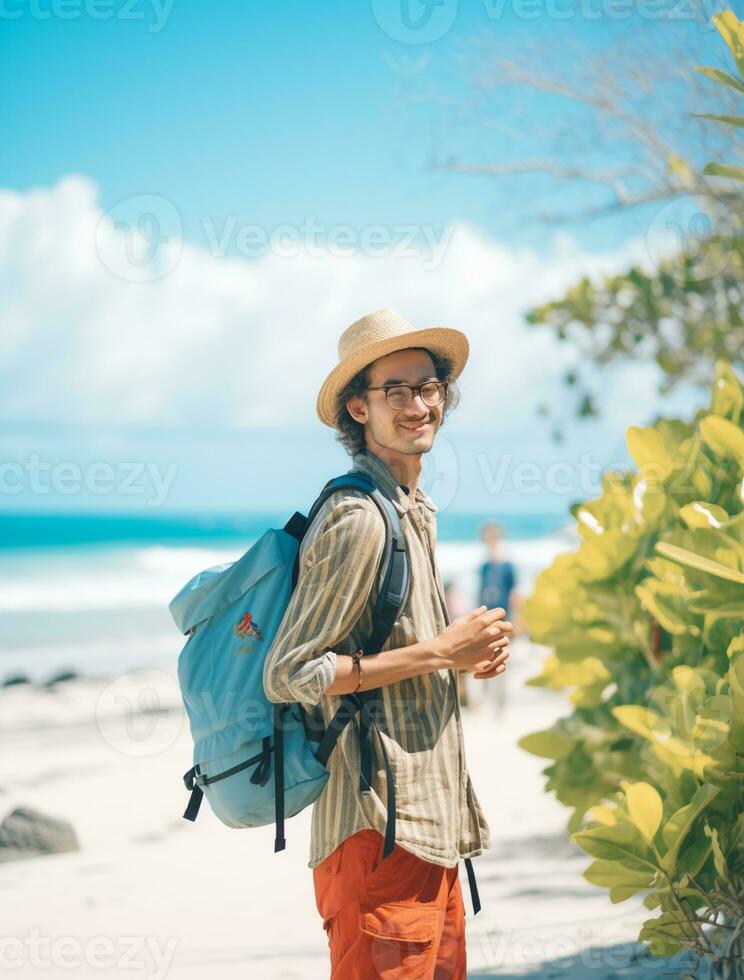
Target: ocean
x,y
89,593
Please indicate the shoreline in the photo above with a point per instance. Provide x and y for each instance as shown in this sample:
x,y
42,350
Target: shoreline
x,y
98,614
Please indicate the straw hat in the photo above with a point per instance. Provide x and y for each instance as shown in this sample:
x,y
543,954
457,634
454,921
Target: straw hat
x,y
375,335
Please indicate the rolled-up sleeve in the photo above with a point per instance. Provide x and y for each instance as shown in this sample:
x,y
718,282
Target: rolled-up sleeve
x,y
334,582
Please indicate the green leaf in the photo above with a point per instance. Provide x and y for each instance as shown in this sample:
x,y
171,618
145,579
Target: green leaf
x,y
620,893
599,558
689,679
721,76
714,169
620,842
735,647
587,673
548,744
735,678
609,874
645,808
701,514
728,395
719,858
665,603
723,437
693,858
649,452
689,558
730,120
709,602
731,30
678,826
663,934
639,719
602,814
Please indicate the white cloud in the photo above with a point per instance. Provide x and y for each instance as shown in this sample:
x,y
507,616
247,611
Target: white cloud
x,y
240,342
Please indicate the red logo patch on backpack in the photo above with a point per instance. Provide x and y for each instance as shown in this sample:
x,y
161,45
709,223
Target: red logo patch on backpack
x,y
248,627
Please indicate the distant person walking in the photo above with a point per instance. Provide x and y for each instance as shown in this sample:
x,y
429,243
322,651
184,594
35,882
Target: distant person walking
x,y
497,582
497,577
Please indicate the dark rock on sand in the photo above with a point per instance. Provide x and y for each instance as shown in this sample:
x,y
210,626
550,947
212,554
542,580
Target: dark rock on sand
x,y
12,679
26,832
62,675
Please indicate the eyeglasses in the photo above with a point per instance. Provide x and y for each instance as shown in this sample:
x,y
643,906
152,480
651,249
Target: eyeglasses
x,y
400,396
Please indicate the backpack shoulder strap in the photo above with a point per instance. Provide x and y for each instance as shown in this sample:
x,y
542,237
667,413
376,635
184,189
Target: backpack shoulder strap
x,y
394,570
395,576
298,524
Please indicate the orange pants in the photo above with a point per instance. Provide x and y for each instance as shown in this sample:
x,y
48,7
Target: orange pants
x,y
395,917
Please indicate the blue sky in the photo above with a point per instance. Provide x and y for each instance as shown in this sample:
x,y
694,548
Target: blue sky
x,y
245,114
272,110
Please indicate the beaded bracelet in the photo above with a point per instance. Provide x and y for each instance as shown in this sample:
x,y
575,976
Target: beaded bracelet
x,y
357,657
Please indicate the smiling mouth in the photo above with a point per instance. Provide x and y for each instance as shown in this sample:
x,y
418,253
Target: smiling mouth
x,y
416,428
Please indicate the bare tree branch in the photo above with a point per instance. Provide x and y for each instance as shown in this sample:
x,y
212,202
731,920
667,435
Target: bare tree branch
x,y
634,97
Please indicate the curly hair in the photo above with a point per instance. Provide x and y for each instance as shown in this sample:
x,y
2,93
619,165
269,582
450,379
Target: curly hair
x,y
350,433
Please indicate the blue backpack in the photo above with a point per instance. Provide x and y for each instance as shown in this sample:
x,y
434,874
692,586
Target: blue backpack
x,y
231,614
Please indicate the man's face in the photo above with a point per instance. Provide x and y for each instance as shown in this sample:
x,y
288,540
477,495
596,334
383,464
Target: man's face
x,y
410,430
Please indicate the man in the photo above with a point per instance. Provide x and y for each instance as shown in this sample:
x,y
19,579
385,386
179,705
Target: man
x,y
401,916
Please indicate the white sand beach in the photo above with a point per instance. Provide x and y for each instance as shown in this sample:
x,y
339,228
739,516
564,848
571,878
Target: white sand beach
x,y
152,895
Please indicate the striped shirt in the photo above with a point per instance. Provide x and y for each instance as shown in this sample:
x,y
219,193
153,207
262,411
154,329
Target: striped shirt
x,y
438,816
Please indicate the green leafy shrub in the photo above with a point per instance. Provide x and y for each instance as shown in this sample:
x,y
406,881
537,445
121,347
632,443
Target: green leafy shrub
x,y
645,625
